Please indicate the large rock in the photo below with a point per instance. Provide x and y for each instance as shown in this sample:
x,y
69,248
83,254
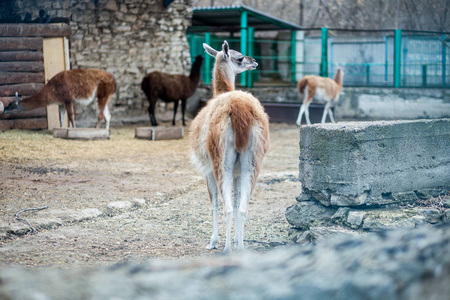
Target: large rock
x,y
374,163
409,264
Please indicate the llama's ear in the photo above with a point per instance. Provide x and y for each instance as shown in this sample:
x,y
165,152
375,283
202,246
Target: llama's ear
x,y
225,49
209,50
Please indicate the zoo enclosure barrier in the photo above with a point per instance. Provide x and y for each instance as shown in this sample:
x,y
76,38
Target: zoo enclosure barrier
x,y
370,58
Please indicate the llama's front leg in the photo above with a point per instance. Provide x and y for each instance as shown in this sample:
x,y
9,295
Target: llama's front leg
x,y
330,112
325,112
213,194
70,114
183,109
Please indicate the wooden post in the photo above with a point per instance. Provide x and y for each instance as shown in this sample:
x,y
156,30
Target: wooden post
x,y
55,61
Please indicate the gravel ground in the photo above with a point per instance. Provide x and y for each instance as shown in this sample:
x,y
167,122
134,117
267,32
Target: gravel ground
x,y
38,170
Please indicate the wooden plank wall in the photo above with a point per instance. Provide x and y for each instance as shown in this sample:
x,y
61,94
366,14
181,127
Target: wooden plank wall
x,y
22,69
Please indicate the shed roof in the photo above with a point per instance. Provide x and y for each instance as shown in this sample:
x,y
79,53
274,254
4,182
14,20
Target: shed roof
x,y
228,18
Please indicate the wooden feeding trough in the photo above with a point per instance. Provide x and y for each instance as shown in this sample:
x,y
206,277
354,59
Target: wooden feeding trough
x,y
81,133
159,133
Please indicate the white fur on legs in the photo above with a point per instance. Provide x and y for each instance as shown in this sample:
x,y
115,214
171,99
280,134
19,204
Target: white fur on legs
x,y
214,193
246,160
107,115
330,112
327,110
230,155
236,198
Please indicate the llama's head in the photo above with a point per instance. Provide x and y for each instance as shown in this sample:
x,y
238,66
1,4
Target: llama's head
x,y
234,59
13,106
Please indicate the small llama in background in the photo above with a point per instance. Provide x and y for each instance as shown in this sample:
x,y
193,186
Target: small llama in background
x,y
324,90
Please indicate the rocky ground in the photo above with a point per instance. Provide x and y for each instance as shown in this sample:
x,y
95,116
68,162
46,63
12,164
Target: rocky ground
x,y
126,199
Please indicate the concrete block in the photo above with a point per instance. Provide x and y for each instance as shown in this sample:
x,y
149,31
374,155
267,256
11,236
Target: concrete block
x,y
159,133
374,163
81,133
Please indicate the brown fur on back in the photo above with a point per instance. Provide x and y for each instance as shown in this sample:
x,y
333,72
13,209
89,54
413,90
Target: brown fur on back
x,y
238,111
167,87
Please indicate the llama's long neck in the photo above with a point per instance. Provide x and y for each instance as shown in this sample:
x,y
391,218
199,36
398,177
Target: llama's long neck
x,y
338,77
41,99
194,76
224,78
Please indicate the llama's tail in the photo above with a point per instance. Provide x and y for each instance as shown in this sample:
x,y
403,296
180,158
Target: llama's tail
x,y
242,118
302,84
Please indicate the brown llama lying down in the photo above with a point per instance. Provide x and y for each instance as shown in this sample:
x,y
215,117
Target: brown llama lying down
x,y
171,88
324,90
80,86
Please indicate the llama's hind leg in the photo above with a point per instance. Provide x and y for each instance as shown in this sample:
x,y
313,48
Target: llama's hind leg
x,y
247,173
236,201
175,108
227,167
213,194
151,110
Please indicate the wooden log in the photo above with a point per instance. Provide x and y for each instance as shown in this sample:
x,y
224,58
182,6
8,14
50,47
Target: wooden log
x,y
21,77
28,43
40,112
23,89
21,56
34,123
21,66
159,133
81,133
42,30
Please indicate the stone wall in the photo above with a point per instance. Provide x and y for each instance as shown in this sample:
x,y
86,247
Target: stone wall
x,y
128,38
412,264
359,177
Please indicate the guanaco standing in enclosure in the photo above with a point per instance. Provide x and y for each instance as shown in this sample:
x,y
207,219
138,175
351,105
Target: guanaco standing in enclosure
x,y
229,138
324,90
79,86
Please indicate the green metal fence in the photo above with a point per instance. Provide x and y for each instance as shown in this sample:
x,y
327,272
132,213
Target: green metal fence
x,y
383,58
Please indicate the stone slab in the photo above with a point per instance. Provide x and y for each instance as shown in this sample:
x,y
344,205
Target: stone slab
x,y
159,133
374,163
81,133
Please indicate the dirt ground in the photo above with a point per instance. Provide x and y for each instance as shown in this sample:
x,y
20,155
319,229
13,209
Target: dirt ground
x,y
38,170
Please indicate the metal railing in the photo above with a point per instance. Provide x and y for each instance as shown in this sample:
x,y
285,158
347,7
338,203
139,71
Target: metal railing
x,y
370,58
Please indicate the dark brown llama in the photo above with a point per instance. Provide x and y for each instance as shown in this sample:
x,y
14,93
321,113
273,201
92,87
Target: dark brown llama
x,y
171,88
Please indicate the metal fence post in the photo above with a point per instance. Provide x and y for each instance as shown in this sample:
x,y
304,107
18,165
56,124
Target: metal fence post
x,y
208,60
293,56
397,57
251,53
244,17
324,57
424,75
444,61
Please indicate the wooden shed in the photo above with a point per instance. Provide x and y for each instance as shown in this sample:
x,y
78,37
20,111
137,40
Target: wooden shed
x,y
30,55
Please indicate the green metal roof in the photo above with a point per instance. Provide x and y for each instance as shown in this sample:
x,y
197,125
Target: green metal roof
x,y
227,19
